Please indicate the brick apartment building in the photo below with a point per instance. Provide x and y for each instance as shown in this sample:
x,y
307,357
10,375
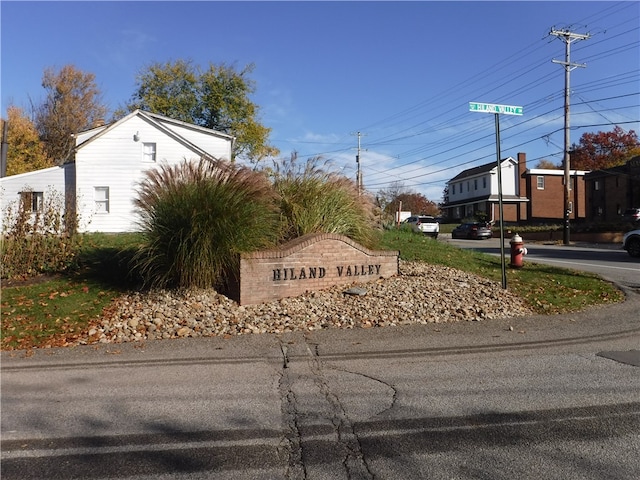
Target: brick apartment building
x,y
612,191
528,195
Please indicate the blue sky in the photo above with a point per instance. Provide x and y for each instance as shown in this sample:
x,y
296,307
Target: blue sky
x,y
401,73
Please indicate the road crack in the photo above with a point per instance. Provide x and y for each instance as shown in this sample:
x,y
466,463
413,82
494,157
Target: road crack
x,y
291,445
354,461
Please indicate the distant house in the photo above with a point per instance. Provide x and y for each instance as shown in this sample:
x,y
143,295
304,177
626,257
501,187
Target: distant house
x,y
612,191
475,191
110,161
528,195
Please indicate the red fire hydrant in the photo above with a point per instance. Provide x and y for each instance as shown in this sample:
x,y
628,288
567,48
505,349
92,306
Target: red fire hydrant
x,y
518,251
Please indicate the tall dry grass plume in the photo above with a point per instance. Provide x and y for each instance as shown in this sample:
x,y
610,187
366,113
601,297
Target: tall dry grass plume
x,y
197,217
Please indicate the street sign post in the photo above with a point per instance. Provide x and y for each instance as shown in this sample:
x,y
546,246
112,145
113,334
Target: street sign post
x,y
493,108
497,110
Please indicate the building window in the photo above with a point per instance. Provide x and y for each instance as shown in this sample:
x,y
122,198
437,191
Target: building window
x,y
484,182
32,201
475,183
101,196
468,188
540,182
453,189
149,152
596,184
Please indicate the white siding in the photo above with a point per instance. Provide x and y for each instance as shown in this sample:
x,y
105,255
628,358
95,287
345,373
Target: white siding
x,y
112,157
50,181
465,189
115,161
509,178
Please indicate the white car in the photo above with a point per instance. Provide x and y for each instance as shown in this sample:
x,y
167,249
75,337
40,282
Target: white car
x,y
631,243
425,224
632,215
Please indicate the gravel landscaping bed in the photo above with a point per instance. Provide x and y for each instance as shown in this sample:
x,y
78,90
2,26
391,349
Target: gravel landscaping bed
x,y
420,294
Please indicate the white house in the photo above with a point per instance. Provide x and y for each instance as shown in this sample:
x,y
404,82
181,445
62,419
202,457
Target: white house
x,y
528,195
109,163
475,190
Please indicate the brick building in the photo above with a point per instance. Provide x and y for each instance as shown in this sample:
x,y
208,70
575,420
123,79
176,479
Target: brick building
x,y
528,195
545,190
613,190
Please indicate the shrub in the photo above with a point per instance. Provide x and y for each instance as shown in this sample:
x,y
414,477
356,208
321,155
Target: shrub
x,y
197,217
40,242
313,199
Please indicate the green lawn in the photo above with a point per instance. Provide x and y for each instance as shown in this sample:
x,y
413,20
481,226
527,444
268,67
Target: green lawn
x,y
49,311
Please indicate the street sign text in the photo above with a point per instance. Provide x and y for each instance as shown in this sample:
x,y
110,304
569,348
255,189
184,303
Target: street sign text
x,y
492,108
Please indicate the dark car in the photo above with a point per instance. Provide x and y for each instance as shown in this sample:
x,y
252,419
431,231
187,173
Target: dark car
x,y
475,231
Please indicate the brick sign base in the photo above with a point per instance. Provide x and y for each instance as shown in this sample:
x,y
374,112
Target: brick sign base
x,y
311,262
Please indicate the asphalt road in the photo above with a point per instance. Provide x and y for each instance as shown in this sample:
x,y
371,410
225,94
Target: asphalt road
x,y
527,398
607,260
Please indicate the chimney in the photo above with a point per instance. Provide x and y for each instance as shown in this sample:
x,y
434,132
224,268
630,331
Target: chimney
x,y
522,168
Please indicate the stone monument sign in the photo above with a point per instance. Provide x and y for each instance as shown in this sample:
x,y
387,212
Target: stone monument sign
x,y
311,262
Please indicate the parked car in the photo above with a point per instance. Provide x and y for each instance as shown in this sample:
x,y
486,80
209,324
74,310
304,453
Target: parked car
x,y
631,243
631,215
475,231
425,224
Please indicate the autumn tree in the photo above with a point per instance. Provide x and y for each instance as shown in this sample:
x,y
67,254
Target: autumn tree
x,y
73,103
25,152
217,98
547,165
416,203
387,195
601,150
391,198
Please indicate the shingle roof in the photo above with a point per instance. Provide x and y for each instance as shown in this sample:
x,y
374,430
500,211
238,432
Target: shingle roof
x,y
472,172
161,123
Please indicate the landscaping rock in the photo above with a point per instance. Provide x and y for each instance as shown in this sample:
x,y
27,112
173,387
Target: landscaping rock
x,y
420,294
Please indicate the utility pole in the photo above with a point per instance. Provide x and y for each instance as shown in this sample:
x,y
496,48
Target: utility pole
x,y
358,171
568,38
4,147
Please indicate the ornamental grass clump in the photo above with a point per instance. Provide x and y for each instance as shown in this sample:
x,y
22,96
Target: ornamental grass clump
x,y
314,199
197,217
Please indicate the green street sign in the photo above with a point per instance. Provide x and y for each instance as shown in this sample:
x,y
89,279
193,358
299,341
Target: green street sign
x,y
492,108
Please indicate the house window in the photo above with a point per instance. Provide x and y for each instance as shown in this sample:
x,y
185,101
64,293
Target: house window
x,y
468,188
101,196
540,182
596,184
475,183
32,201
149,152
453,189
484,182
